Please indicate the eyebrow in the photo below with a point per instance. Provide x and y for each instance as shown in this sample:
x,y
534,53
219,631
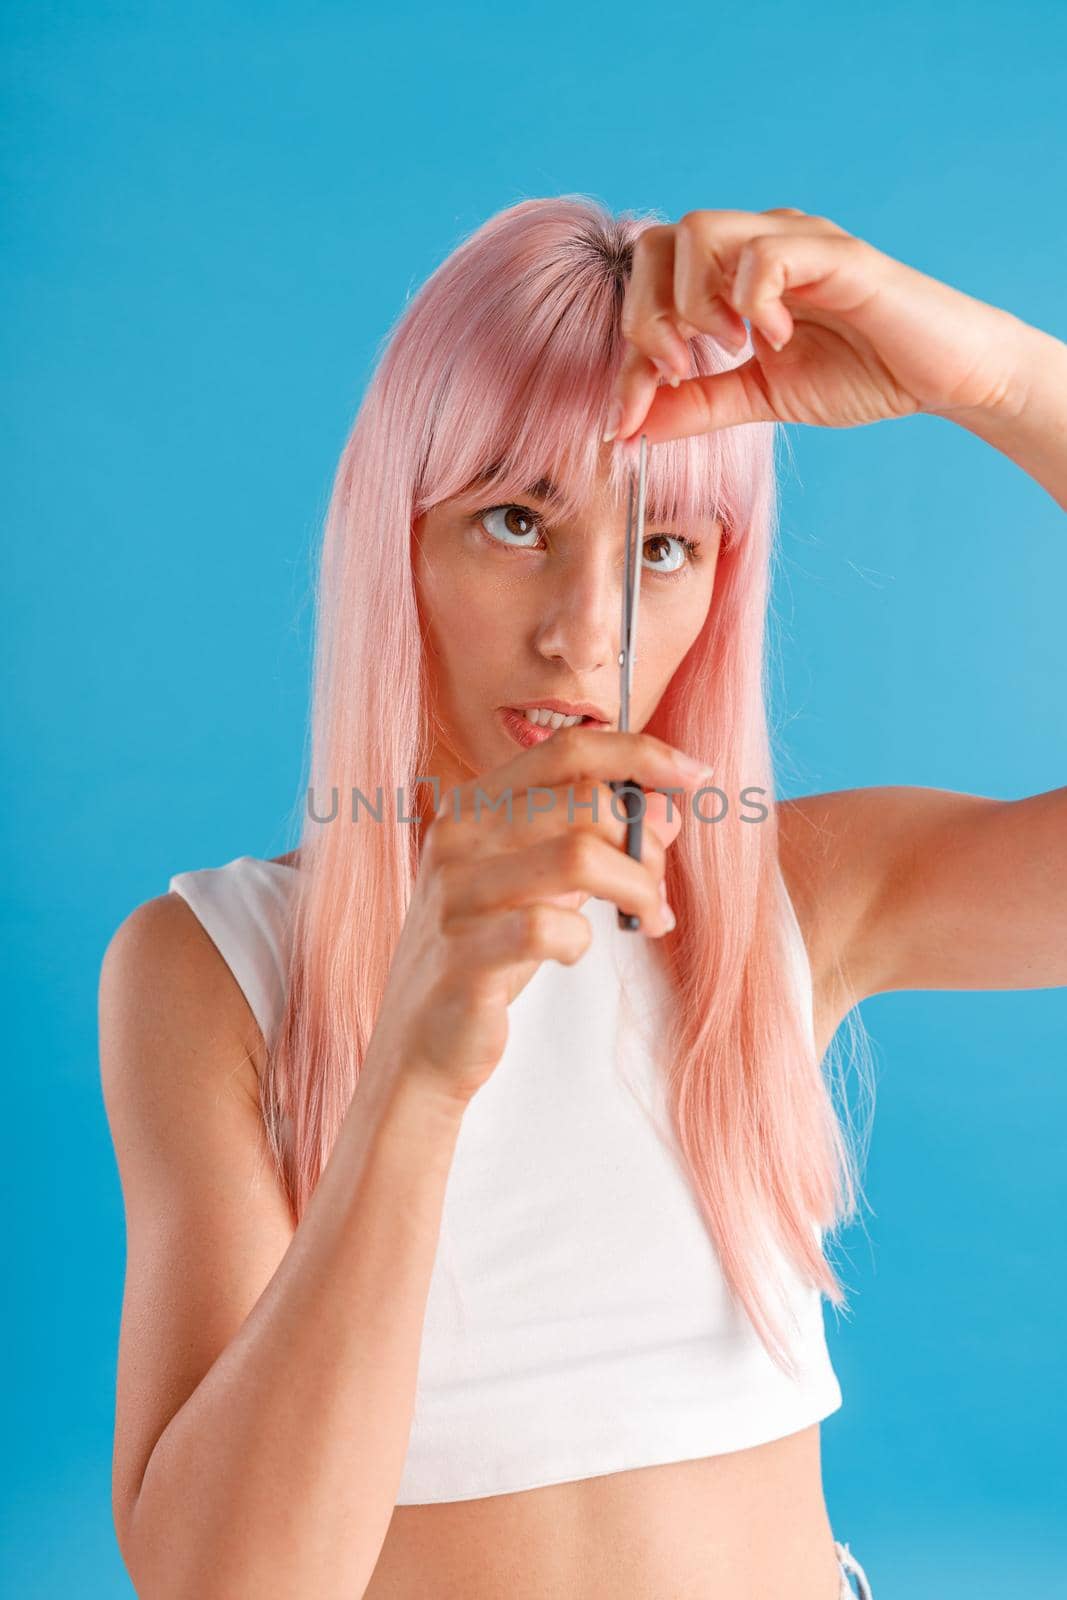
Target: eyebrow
x,y
543,489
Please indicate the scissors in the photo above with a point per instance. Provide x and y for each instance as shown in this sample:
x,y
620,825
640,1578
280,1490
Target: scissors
x,y
632,793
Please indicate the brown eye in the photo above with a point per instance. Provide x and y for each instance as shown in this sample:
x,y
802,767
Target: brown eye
x,y
666,562
506,524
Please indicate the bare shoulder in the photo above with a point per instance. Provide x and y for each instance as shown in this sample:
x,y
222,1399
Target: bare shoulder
x,y
207,1220
161,954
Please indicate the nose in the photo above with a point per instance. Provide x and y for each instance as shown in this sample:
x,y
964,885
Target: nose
x,y
580,614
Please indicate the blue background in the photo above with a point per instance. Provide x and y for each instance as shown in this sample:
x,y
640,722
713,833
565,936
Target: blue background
x,y
213,214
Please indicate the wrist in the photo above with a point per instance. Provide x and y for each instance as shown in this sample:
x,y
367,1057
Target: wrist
x,y
1026,419
415,1094
1024,349
391,1092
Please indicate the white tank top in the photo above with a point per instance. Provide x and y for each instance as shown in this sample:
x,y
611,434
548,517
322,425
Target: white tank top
x,y
578,1322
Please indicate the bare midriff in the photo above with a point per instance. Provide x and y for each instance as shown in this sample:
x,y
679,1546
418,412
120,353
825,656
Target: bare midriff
x,y
743,1526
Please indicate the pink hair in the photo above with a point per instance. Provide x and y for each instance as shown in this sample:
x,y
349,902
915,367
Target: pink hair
x,y
502,364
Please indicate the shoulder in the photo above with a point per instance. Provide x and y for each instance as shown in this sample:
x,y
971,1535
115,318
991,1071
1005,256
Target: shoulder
x,y
164,979
248,907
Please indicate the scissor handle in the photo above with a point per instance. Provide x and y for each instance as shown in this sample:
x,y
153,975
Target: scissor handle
x,y
634,802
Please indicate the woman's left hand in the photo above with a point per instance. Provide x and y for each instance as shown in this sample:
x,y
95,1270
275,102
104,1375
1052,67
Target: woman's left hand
x,y
861,335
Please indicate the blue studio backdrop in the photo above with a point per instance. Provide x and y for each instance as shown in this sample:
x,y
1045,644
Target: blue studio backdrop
x,y
212,216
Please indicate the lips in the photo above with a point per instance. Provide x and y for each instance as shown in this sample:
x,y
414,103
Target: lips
x,y
528,733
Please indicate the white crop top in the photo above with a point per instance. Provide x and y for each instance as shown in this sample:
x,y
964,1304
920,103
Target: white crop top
x,y
578,1322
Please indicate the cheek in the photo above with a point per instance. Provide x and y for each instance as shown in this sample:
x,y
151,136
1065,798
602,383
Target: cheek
x,y
693,612
682,627
667,639
469,616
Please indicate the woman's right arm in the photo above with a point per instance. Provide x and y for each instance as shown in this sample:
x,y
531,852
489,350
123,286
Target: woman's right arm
x,y
266,1376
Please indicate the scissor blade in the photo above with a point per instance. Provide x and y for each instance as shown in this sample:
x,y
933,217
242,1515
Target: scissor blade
x,y
627,599
635,541
639,556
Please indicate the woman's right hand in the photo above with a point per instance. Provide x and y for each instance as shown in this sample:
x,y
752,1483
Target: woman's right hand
x,y
497,895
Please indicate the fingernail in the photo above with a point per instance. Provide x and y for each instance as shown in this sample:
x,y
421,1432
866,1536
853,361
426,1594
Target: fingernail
x,y
694,768
774,342
614,418
666,372
669,921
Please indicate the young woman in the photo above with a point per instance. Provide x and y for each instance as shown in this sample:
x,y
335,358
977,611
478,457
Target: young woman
x,y
475,1245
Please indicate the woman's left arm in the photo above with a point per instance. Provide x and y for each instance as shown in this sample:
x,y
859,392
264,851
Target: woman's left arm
x,y
1028,422
918,888
915,888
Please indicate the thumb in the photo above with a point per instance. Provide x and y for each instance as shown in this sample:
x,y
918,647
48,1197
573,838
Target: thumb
x,y
704,404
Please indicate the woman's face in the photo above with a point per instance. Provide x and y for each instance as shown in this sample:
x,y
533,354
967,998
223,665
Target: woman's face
x,y
520,607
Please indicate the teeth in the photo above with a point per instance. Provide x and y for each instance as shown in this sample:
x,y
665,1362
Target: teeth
x,y
543,718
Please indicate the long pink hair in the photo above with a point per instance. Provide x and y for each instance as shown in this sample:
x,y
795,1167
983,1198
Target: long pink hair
x,y
502,364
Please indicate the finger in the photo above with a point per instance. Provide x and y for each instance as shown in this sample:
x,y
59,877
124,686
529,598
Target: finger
x,y
709,247
600,808
537,932
634,390
832,271
654,344
536,813
579,753
706,248
560,866
698,282
663,816
648,309
544,813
